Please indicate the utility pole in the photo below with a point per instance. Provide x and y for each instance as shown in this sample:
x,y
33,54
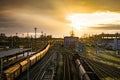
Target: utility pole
x,y
35,37
35,31
16,34
31,45
23,40
28,40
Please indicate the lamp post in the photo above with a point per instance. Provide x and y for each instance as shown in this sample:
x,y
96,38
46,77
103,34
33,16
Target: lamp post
x,y
1,74
117,46
1,59
28,65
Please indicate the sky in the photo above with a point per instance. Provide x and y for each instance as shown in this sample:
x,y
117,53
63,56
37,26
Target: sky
x,y
59,17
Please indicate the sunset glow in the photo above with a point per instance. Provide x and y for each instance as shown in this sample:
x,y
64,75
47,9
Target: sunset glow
x,y
82,20
58,17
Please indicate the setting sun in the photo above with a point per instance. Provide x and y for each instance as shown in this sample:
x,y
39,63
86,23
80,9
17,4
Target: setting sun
x,y
80,21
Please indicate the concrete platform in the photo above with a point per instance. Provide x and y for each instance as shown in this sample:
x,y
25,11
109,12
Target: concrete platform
x,y
13,51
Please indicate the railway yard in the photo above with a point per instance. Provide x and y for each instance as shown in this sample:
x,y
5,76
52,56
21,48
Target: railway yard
x,y
59,39
64,63
103,65
66,69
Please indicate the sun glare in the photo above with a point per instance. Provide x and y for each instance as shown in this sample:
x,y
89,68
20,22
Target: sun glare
x,y
80,21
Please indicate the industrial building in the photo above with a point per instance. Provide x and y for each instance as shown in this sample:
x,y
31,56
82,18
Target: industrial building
x,y
71,41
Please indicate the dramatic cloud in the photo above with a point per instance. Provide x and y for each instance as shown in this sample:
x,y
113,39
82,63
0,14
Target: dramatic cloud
x,y
49,15
106,27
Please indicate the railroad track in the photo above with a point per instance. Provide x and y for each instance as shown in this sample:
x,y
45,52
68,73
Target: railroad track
x,y
100,71
112,54
109,60
67,74
39,69
36,70
104,71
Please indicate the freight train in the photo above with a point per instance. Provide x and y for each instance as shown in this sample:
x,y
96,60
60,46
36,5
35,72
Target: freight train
x,y
15,70
85,71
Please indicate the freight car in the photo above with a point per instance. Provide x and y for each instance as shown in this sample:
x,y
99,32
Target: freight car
x,y
85,71
82,73
15,70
